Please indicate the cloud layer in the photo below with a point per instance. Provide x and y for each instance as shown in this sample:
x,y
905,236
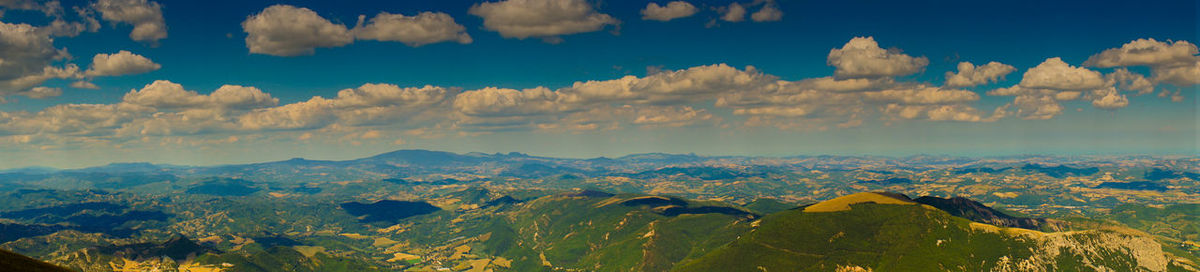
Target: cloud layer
x,y
868,82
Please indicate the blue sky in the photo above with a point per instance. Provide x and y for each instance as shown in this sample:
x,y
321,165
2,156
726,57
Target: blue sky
x,y
205,47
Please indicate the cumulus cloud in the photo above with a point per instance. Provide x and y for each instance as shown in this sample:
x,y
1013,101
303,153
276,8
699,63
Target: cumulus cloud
x,y
120,63
1055,74
84,85
170,95
145,16
285,30
670,116
1042,88
1130,81
546,19
421,29
769,13
1032,107
1170,62
692,84
62,28
42,92
165,109
733,13
922,95
866,88
503,102
608,103
1145,52
1111,100
1185,74
47,7
369,104
1036,104
671,11
28,57
862,57
970,75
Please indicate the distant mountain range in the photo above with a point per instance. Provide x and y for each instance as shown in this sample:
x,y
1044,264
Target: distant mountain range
x,y
417,160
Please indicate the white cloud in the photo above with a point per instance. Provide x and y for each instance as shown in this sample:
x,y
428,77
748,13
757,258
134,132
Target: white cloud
x,y
954,113
1145,52
733,13
670,116
1041,89
769,13
1170,62
692,84
240,97
120,63
164,109
1067,95
369,104
1031,107
170,95
424,28
671,11
970,75
27,57
547,19
1130,81
503,102
1185,74
84,85
76,120
145,16
1111,100
42,92
370,95
866,89
62,28
862,57
47,7
922,95
1055,74
844,85
284,30
314,113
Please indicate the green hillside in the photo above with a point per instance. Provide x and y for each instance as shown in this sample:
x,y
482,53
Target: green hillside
x,y
903,237
599,232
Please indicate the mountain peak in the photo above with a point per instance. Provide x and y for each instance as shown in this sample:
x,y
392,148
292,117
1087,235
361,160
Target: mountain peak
x,y
843,203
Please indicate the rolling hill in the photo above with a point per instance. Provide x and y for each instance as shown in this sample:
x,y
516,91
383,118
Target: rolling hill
x,y
881,232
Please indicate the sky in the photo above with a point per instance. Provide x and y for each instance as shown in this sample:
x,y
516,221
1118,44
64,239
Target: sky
x,y
86,83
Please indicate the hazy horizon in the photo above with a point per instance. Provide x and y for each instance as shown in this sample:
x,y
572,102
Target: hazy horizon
x,y
893,156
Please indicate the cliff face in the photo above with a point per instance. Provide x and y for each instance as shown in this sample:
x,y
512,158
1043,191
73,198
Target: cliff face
x,y
975,211
1095,250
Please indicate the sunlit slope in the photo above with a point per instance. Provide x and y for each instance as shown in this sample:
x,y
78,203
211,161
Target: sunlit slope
x,y
903,236
843,203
